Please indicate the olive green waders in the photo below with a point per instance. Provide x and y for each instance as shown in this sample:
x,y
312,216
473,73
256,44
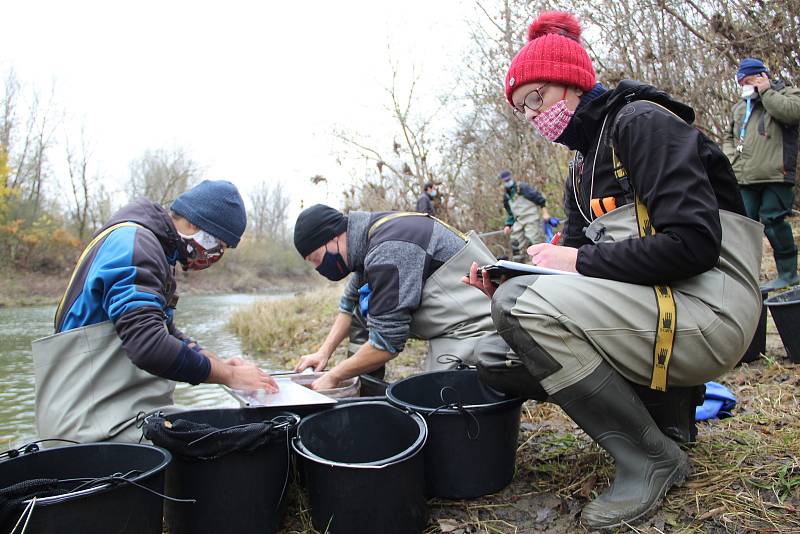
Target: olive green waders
x,y
527,228
580,336
87,389
578,321
453,316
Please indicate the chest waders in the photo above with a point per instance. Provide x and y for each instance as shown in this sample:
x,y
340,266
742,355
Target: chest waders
x,y
451,316
665,301
87,389
527,228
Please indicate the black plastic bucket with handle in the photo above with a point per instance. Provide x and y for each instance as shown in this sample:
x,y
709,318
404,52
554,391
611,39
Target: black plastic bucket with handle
x,y
240,491
758,345
364,469
785,310
473,431
94,488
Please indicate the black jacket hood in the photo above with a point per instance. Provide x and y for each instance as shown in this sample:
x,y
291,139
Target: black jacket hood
x,y
589,117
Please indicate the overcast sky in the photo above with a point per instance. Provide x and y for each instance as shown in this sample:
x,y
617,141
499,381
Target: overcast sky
x,y
252,90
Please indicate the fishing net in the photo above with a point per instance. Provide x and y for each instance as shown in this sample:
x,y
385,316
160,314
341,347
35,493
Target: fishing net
x,y
202,441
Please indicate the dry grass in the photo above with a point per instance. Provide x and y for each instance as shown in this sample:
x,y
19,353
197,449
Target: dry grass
x,y
282,330
285,329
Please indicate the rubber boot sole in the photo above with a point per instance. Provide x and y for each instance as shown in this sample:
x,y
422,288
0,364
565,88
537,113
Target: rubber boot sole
x,y
675,479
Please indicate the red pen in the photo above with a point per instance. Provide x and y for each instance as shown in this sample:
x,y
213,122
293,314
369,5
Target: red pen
x,y
556,239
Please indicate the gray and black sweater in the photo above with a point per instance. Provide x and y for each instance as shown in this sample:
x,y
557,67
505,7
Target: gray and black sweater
x,y
396,261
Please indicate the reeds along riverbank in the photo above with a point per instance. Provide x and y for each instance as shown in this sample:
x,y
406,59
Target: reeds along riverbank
x,y
286,329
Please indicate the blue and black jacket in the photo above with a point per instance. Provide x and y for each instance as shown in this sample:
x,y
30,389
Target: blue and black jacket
x,y
128,279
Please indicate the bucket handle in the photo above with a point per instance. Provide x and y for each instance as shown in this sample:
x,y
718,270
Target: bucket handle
x,y
90,485
459,407
445,359
31,447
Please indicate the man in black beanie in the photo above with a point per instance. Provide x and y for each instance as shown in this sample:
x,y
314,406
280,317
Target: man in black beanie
x,y
407,269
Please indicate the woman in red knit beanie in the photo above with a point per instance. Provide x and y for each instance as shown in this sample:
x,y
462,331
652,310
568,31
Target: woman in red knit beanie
x,y
669,298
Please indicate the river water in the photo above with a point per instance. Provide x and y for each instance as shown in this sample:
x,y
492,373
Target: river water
x,y
202,317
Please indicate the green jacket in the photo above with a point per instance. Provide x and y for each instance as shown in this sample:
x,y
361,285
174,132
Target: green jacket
x,y
769,151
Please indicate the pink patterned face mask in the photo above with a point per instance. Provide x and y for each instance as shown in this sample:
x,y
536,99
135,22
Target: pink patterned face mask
x,y
552,122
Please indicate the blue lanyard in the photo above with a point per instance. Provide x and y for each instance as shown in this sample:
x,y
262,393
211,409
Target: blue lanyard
x,y
746,118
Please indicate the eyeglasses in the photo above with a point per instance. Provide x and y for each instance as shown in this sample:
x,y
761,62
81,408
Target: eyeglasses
x,y
533,101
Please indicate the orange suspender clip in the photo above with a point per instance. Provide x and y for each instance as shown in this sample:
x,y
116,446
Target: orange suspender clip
x,y
601,206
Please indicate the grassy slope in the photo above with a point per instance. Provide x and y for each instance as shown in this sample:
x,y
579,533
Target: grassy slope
x,y
746,468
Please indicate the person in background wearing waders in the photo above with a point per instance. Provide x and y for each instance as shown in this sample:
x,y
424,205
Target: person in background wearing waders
x,y
669,295
761,143
425,200
526,210
411,263
116,351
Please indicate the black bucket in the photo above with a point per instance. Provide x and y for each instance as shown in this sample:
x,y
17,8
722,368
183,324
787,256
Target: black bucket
x,y
364,469
241,492
758,345
785,310
473,430
109,507
372,387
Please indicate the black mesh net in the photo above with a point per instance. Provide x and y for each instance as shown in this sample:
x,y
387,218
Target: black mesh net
x,y
205,442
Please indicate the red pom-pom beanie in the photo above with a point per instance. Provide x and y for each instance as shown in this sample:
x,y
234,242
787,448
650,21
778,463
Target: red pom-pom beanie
x,y
553,54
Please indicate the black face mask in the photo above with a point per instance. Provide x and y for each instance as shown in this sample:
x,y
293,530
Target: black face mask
x,y
333,266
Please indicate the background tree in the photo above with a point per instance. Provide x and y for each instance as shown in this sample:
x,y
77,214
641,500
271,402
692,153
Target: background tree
x,y
161,175
270,205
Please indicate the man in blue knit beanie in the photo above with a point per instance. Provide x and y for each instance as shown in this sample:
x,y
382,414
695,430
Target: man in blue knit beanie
x,y
761,143
116,352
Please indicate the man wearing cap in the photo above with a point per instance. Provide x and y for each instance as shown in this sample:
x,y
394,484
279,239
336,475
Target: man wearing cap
x,y
761,143
412,264
525,207
116,352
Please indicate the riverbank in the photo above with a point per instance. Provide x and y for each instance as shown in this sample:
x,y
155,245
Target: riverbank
x,y
38,289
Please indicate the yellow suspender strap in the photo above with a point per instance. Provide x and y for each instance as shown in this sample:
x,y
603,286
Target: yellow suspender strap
x,y
667,318
82,257
399,214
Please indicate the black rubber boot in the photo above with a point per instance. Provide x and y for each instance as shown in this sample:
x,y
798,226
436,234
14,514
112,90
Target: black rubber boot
x,y
648,463
673,410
